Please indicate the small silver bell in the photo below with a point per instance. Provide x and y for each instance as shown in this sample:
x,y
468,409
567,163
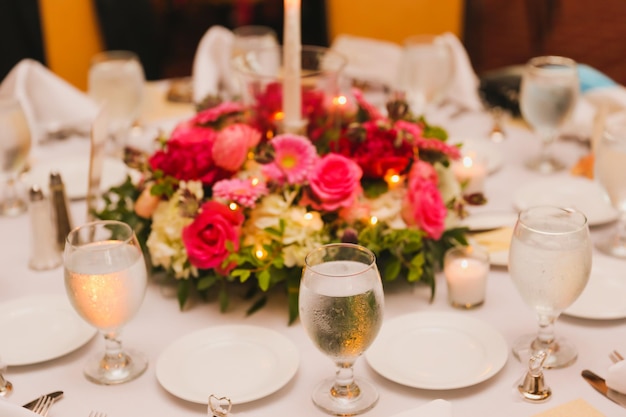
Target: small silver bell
x,y
533,387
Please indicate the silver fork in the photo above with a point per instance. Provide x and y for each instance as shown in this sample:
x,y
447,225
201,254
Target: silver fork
x,y
43,405
616,356
97,414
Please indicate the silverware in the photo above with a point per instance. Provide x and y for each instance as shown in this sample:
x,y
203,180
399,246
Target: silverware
x,y
97,414
616,356
56,395
599,384
43,405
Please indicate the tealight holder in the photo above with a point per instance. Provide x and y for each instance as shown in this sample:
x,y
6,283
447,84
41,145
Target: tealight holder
x,y
471,172
466,269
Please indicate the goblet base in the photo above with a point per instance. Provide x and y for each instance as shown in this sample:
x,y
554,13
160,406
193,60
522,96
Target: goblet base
x,y
339,406
130,365
13,207
561,352
545,164
613,246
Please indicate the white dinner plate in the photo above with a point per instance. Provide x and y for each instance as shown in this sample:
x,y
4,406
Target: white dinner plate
x,y
569,192
488,220
604,296
74,170
437,350
242,362
484,149
38,328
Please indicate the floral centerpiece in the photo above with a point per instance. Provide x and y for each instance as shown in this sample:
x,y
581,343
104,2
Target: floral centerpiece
x,y
228,201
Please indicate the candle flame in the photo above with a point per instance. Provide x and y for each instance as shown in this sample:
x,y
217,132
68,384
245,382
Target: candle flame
x,y
233,206
340,100
373,220
468,161
308,216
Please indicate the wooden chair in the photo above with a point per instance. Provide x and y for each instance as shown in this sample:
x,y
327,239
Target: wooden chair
x,y
394,20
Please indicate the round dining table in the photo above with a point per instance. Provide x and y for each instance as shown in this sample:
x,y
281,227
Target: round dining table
x,y
160,322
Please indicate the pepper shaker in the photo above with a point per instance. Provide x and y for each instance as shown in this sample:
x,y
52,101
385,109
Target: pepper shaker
x,y
45,253
60,208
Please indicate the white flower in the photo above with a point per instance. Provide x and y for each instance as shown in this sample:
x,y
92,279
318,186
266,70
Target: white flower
x,y
387,208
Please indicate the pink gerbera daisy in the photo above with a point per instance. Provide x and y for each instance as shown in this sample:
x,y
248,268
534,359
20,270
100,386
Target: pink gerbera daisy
x,y
294,157
243,192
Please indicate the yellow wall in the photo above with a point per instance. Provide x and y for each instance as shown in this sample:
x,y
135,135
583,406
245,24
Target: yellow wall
x,y
71,37
394,20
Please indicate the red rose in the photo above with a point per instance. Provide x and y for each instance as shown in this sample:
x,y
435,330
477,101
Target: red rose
x,y
205,238
335,182
188,155
423,205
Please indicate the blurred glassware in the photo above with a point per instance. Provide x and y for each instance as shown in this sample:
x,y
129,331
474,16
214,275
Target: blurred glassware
x,y
251,38
426,69
116,79
548,95
15,145
610,170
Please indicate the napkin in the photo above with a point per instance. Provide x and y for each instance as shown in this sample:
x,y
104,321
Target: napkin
x,y
616,377
211,64
576,408
435,408
50,102
8,409
378,61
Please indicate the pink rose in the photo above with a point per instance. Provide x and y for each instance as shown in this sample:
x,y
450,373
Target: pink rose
x,y
423,207
205,238
232,145
334,182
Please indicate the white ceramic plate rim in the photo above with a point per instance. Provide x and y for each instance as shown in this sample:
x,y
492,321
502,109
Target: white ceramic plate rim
x,y
48,328
489,220
74,171
403,329
177,372
604,295
573,192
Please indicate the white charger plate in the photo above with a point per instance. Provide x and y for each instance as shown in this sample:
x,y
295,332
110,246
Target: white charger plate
x,y
437,350
604,295
38,328
568,192
74,170
243,362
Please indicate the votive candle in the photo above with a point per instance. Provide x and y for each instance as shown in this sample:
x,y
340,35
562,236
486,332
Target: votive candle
x,y
292,63
470,171
466,269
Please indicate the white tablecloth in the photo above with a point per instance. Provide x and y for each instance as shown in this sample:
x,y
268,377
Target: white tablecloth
x,y
160,322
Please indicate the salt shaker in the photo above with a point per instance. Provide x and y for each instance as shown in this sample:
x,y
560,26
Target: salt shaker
x,y
60,208
45,253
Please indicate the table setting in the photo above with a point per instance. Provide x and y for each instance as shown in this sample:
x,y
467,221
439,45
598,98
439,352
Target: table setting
x,y
265,250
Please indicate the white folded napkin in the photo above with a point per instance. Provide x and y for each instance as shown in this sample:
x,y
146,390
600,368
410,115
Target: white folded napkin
x,y
50,102
8,409
211,64
435,408
616,377
378,61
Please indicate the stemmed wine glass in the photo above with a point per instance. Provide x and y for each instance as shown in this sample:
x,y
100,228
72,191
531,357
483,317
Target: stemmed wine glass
x,y
549,262
116,79
610,170
425,71
341,307
548,94
15,143
105,280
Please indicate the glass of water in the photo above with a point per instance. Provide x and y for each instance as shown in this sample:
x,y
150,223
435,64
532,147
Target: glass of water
x,y
610,170
549,263
548,94
341,307
116,81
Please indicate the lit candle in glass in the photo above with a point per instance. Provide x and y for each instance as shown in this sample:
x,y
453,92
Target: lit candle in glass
x,y
466,269
470,171
292,94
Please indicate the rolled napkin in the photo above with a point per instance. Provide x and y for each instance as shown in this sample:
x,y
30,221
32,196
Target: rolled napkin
x,y
8,409
211,68
435,408
50,102
616,377
463,88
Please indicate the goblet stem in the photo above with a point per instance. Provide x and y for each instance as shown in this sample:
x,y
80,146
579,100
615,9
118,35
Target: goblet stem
x,y
545,336
114,356
545,162
345,388
12,204
615,244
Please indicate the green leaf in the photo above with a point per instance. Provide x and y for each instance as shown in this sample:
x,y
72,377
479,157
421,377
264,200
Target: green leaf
x,y
242,274
224,299
392,268
206,282
258,304
293,292
184,287
264,279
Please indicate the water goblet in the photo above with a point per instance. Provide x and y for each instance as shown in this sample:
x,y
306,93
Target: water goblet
x,y
548,93
15,144
341,307
610,170
549,263
105,280
425,71
116,79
